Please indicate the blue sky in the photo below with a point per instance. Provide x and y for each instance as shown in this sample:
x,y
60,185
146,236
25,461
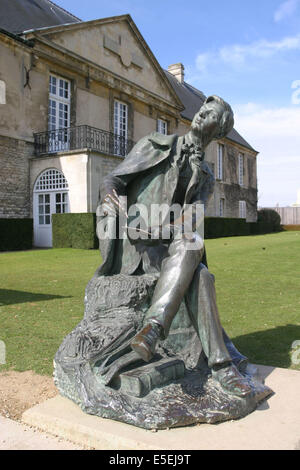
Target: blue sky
x,y
248,52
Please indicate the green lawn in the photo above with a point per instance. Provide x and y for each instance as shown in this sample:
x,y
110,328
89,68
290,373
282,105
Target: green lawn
x,y
257,282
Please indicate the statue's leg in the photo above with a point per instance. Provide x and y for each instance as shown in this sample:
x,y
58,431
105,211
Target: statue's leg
x,y
177,271
202,307
181,276
239,359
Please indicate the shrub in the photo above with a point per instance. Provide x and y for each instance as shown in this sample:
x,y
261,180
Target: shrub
x,y
217,227
74,231
16,234
270,218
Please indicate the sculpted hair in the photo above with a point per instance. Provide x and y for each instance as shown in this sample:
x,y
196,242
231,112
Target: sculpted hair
x,y
227,119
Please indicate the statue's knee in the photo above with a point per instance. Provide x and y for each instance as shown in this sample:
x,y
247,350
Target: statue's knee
x,y
194,244
189,245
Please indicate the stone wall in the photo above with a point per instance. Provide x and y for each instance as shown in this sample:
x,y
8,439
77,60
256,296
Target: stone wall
x,y
14,177
228,188
232,194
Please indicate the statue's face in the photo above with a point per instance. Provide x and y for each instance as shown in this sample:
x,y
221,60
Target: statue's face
x,y
207,121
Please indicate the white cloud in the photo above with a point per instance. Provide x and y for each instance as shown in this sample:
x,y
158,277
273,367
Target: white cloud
x,y
295,99
274,132
238,54
285,10
284,121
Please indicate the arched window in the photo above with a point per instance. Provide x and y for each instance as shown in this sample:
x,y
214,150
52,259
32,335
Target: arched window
x,y
51,180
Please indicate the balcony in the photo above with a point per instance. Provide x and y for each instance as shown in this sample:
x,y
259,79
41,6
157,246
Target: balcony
x,y
79,138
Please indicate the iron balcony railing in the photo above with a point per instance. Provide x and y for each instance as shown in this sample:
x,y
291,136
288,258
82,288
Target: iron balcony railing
x,y
81,137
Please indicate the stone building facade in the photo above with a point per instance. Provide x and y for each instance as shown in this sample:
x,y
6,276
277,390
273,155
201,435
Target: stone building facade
x,y
74,97
14,188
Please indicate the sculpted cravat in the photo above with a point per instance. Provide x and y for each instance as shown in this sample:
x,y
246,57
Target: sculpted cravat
x,y
195,156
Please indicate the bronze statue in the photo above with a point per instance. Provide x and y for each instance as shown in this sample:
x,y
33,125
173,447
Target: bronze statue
x,y
150,350
172,169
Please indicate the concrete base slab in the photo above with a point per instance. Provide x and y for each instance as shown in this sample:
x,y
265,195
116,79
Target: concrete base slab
x,y
274,425
17,436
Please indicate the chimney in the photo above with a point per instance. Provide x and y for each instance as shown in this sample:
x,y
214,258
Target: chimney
x,y
178,71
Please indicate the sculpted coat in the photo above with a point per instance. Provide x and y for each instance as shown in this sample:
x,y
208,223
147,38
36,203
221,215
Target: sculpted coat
x,y
148,175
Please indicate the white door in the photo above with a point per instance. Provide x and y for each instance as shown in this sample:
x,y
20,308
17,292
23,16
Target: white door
x,y
50,197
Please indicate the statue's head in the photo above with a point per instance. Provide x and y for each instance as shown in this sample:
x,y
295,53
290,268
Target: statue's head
x,y
214,119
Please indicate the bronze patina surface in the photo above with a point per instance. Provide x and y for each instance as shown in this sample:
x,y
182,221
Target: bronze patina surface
x,y
150,350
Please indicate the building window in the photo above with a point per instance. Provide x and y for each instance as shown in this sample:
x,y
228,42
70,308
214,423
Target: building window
x,y
242,209
241,169
59,113
51,180
2,92
221,207
61,203
59,103
45,206
44,209
120,127
162,126
220,161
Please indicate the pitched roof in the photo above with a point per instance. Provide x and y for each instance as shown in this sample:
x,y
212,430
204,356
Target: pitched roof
x,y
17,16
192,99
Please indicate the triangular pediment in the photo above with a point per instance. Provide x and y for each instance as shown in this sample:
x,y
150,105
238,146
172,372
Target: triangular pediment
x,y
116,45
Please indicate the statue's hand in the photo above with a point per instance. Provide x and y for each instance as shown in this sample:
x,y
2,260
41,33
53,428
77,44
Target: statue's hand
x,y
168,232
152,235
112,205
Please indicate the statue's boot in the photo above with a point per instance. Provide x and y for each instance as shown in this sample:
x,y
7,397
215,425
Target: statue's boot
x,y
145,341
232,381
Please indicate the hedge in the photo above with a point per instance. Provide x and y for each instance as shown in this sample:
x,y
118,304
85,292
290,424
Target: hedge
x,y
16,234
74,231
79,230
217,227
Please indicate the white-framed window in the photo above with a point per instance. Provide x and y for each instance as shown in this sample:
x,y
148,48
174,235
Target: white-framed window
x,y
61,203
59,103
221,207
59,113
49,203
242,209
44,209
241,169
2,94
162,126
51,180
120,127
220,161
